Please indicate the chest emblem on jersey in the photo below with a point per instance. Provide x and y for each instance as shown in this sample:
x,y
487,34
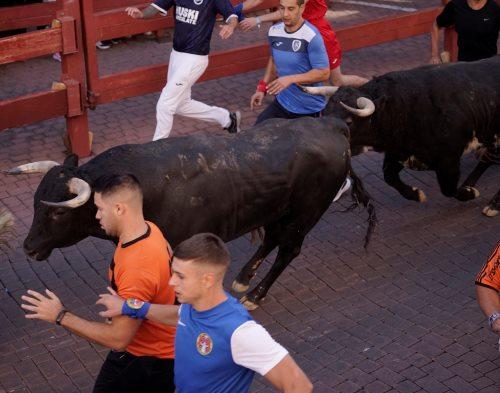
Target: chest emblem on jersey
x,y
296,44
186,15
204,344
198,2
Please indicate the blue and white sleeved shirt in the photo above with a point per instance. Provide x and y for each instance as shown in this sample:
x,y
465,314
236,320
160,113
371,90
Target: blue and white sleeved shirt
x,y
219,350
194,22
297,53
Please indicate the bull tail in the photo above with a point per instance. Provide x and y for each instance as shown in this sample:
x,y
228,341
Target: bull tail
x,y
361,196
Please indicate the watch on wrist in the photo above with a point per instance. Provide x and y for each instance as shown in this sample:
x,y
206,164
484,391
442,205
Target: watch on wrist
x,y
60,316
492,318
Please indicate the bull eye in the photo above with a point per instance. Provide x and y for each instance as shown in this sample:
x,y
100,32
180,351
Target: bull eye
x,y
58,213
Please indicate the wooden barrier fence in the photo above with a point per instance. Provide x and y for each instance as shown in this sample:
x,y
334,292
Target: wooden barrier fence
x,y
80,23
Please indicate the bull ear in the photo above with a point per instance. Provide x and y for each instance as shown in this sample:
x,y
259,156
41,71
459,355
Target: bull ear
x,y
71,161
380,103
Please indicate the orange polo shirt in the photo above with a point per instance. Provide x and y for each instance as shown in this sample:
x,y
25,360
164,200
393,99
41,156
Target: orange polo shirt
x,y
489,275
141,270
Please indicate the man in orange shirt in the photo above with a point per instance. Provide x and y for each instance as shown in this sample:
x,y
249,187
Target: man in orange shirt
x,y
142,351
487,288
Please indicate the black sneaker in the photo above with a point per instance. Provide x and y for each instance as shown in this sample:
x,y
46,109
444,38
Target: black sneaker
x,y
234,127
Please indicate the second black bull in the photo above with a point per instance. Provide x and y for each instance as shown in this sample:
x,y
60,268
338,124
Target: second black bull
x,y
281,175
425,119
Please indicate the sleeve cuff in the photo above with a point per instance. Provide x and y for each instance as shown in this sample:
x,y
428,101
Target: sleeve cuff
x,y
164,12
231,16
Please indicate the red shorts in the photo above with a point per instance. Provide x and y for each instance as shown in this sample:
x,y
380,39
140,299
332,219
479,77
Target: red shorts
x,y
331,43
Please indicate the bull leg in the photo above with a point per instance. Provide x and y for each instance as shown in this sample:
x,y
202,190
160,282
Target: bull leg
x,y
242,280
448,174
493,207
285,255
467,191
391,168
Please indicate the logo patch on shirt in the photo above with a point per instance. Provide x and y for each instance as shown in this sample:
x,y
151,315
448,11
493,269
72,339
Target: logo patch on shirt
x,y
296,44
198,2
186,15
204,344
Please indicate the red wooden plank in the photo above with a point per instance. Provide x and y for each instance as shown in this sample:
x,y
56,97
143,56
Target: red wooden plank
x,y
27,15
29,45
113,23
32,108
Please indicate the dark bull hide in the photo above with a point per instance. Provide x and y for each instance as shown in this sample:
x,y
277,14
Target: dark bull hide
x,y
281,175
427,118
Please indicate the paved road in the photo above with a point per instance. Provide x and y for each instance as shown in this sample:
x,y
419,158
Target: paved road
x,y
401,317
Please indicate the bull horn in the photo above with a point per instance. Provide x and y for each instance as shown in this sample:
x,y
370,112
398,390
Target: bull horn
x,y
365,108
326,91
76,186
32,167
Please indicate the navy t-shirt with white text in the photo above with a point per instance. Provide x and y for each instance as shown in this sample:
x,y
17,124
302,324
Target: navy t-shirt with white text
x,y
194,22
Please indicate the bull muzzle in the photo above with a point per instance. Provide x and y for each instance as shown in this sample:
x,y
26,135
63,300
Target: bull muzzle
x,y
78,187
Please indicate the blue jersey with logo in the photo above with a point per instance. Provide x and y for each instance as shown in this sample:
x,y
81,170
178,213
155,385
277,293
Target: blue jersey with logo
x,y
194,22
297,53
203,359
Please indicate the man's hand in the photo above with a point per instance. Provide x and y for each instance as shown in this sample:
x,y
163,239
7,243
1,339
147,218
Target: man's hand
x,y
42,307
226,31
248,23
435,60
112,302
256,99
496,326
134,12
278,85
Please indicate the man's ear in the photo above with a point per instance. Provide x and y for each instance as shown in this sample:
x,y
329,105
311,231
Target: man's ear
x,y
119,209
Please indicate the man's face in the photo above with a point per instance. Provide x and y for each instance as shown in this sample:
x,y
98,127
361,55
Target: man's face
x,y
291,12
107,214
188,280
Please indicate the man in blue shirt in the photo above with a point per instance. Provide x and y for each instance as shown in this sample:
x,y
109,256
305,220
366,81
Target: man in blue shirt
x,y
218,346
298,57
194,24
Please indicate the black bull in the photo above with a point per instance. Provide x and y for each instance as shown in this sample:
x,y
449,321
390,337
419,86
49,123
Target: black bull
x,y
281,175
427,118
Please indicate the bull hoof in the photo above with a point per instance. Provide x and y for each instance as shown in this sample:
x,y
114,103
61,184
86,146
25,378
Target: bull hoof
x,y
239,287
420,195
467,193
490,211
248,304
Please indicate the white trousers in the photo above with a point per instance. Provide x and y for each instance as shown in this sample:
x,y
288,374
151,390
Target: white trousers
x,y
184,69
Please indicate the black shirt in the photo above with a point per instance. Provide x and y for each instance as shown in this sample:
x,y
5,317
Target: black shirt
x,y
477,30
194,22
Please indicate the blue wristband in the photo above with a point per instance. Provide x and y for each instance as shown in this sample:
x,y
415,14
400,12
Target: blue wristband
x,y
238,10
135,308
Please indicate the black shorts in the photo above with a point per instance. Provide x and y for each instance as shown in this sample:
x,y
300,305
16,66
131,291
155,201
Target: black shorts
x,y
123,372
276,111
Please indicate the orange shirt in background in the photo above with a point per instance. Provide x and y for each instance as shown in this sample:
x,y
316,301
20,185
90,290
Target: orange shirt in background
x,y
489,275
141,270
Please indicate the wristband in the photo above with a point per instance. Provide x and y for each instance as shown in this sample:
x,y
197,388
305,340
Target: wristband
x,y
258,21
238,10
493,317
135,308
60,316
262,86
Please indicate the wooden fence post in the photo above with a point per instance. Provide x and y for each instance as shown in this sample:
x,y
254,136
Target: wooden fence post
x,y
73,77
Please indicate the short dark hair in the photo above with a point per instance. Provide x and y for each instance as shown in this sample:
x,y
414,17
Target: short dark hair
x,y
300,2
204,247
109,184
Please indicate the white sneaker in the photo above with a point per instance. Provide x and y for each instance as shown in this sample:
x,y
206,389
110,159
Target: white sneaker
x,y
344,188
57,56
